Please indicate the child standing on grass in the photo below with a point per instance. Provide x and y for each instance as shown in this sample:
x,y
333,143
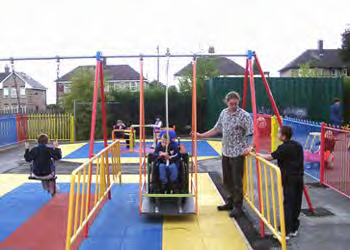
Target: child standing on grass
x,y
42,160
290,157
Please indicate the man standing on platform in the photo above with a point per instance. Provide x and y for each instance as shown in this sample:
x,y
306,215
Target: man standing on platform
x,y
235,125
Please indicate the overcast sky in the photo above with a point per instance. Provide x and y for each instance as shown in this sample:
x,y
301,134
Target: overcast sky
x,y
278,30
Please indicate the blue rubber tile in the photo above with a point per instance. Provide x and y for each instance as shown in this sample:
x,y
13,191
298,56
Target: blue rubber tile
x,y
120,226
204,149
17,206
107,243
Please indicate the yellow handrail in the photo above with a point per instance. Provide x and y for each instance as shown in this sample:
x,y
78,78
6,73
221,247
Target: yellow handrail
x,y
79,213
269,187
130,132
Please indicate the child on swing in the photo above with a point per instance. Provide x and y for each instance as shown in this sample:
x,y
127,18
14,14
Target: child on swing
x,y
42,160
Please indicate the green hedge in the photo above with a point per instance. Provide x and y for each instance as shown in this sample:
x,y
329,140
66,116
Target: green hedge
x,y
126,108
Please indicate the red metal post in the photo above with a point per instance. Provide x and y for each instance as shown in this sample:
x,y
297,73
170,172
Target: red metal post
x,y
268,91
323,130
256,137
245,87
141,133
92,134
104,119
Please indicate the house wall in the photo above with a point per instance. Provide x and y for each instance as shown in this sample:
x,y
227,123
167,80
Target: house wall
x,y
64,88
33,99
287,73
10,100
36,99
323,72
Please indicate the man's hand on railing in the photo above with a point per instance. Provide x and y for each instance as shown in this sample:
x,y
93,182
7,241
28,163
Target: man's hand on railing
x,y
248,150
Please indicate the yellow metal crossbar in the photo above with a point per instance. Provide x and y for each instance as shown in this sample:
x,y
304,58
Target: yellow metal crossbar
x,y
106,164
271,192
56,126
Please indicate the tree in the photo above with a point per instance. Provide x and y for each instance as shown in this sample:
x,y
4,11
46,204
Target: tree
x,y
305,70
206,69
81,89
81,92
345,48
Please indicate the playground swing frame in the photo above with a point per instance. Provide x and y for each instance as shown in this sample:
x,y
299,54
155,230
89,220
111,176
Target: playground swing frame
x,y
99,78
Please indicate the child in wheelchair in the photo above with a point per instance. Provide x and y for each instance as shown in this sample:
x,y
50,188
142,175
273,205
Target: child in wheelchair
x,y
42,160
167,161
120,134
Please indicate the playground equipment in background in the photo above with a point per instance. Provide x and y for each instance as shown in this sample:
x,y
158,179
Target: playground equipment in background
x,y
312,150
335,146
130,132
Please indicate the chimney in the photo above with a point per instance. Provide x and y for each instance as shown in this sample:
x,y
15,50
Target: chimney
x,y
7,69
211,50
320,47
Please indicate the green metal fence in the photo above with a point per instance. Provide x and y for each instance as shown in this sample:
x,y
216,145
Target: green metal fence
x,y
312,95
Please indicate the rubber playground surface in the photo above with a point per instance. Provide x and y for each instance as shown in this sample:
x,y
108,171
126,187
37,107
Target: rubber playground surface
x,y
31,219
79,152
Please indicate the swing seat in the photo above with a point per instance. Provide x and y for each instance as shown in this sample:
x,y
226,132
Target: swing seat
x,y
177,204
49,177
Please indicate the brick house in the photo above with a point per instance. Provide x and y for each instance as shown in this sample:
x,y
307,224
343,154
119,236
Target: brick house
x,y
117,77
324,62
32,94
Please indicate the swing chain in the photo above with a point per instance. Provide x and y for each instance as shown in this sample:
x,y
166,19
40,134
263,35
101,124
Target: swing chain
x,y
57,76
58,68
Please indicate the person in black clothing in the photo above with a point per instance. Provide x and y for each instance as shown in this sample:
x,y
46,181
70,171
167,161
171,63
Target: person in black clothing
x,y
290,158
121,134
42,160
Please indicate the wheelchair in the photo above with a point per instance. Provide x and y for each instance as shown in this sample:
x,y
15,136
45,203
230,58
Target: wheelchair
x,y
179,200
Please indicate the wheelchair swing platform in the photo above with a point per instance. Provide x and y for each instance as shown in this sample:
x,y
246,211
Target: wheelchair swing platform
x,y
168,206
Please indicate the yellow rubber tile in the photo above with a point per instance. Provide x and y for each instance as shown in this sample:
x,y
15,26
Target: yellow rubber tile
x,y
69,148
8,182
217,145
209,230
127,160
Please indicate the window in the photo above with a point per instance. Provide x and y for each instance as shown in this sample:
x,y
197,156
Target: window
x,y
133,86
107,87
345,72
6,91
66,89
333,72
13,92
22,91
